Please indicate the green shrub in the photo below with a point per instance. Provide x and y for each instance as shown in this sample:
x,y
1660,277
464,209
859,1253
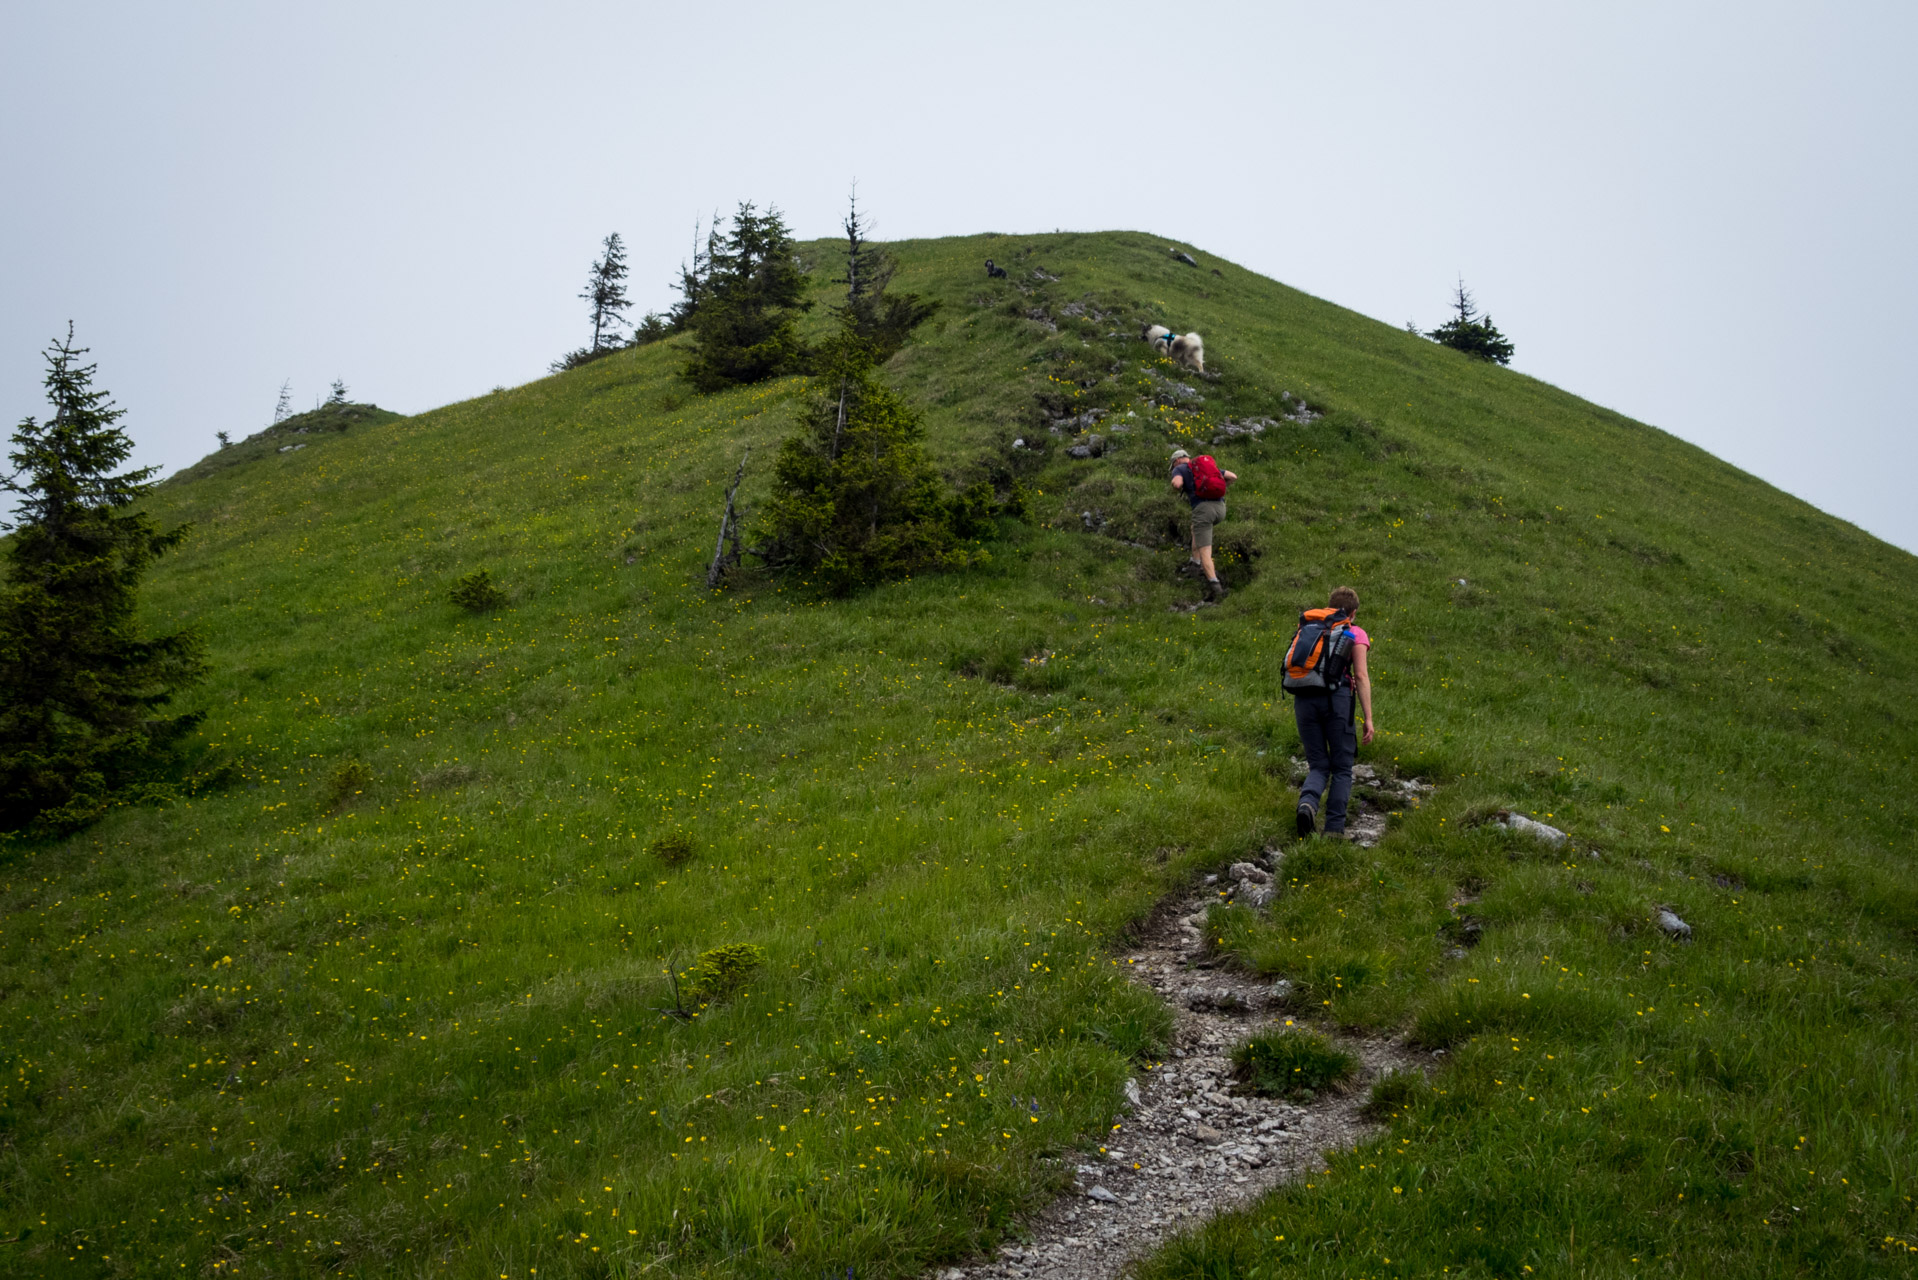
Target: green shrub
x,y
477,592
724,971
1291,1064
674,850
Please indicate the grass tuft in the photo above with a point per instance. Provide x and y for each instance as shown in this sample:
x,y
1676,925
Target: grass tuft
x,y
1395,1093
345,785
1296,1065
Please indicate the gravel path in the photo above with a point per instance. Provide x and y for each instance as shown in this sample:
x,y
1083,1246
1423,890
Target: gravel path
x,y
1192,1147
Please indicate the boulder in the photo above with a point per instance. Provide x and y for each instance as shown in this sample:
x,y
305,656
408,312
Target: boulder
x,y
1530,826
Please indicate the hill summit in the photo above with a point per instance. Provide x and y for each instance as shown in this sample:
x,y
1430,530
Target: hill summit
x,y
288,436
635,928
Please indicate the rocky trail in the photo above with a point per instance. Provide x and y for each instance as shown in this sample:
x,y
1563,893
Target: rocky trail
x,y
1192,1146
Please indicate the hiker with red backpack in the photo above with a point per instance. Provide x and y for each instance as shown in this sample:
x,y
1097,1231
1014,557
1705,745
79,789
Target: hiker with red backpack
x,y
1325,672
1203,485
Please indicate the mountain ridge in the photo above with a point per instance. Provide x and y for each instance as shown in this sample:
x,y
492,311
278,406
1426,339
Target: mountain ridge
x,y
443,889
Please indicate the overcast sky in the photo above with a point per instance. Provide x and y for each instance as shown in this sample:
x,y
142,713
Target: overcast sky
x,y
1700,215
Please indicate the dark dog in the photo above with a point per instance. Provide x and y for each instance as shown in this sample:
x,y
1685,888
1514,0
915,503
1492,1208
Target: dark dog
x,y
996,273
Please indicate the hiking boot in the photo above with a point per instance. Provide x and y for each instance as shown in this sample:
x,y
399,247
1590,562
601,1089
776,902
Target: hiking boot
x,y
1191,569
1214,589
1305,820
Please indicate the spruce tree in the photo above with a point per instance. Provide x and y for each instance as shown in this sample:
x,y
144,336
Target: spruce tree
x,y
82,692
1472,333
856,500
692,280
883,320
606,293
745,326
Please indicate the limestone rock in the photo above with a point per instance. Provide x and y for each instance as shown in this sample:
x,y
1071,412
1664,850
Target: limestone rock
x,y
1530,826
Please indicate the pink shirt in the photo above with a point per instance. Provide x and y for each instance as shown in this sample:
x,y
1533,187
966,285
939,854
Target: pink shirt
x,y
1358,638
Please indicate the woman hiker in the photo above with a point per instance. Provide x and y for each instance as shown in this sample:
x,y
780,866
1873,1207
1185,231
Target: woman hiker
x,y
1326,730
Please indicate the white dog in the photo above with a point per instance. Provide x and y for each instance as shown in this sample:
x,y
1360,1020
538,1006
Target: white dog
x,y
1187,348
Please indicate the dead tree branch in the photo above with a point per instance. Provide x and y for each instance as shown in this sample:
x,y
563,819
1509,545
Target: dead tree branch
x,y
728,525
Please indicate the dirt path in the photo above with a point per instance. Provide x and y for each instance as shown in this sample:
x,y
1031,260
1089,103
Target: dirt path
x,y
1192,1147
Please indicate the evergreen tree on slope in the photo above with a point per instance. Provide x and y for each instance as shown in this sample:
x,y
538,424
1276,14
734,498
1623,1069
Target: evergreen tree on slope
x,y
605,294
882,319
82,692
1472,333
745,322
856,500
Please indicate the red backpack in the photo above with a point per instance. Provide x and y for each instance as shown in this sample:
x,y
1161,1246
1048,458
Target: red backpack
x,y
1208,482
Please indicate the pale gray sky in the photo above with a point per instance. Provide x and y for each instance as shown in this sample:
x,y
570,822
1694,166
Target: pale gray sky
x,y
1700,215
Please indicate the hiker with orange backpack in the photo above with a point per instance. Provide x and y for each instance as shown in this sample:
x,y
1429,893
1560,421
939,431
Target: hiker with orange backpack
x,y
1203,485
1325,672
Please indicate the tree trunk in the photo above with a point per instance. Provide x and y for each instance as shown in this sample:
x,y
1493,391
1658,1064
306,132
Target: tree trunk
x,y
840,425
717,569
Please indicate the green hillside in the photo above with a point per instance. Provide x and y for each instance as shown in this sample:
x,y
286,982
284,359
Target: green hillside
x,y
397,1004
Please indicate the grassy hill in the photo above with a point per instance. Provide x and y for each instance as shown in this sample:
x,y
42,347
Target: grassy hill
x,y
398,1004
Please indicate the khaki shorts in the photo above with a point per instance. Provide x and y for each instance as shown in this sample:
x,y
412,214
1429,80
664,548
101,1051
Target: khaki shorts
x,y
1204,516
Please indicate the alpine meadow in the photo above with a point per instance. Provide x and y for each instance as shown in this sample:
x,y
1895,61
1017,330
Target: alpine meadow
x,y
602,924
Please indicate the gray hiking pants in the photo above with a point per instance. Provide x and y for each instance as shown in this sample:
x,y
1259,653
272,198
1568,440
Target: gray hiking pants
x,y
1331,742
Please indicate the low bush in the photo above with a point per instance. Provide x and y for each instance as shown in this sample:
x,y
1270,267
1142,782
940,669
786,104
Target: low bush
x,y
725,971
674,850
477,592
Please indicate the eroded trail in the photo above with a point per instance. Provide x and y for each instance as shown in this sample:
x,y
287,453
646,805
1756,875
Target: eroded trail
x,y
1192,1146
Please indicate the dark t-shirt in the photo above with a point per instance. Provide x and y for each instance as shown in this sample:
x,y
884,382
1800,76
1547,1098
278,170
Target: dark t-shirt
x,y
1183,474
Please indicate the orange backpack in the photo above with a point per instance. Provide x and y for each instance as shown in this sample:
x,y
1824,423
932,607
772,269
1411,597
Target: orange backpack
x,y
1320,653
